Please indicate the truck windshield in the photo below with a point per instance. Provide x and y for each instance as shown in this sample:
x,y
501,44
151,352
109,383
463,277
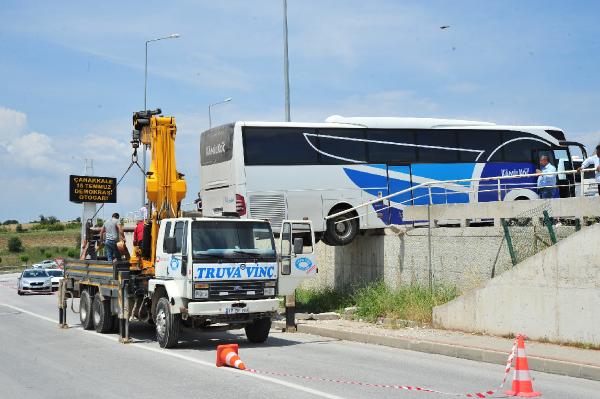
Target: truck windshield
x,y
232,239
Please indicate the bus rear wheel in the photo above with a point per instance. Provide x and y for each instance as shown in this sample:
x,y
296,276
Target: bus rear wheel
x,y
341,230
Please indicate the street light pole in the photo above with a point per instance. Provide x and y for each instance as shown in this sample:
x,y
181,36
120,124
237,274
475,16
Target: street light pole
x,y
212,105
286,71
145,147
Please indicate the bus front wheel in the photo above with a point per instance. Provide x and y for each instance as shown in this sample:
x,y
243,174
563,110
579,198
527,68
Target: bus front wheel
x,y
341,230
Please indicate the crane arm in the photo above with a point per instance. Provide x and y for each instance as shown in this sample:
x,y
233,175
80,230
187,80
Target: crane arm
x,y
165,186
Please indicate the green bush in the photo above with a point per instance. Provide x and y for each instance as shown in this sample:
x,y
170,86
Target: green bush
x,y
15,244
24,258
73,225
71,253
56,227
38,226
48,255
20,229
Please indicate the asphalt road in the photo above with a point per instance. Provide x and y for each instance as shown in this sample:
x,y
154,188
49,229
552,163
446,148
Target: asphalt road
x,y
39,360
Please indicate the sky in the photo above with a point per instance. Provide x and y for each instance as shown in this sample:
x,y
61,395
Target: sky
x,y
72,74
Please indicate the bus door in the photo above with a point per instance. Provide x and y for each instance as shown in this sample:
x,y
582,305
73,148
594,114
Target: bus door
x,y
399,179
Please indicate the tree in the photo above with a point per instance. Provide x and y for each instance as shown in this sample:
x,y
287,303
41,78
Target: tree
x,y
24,258
78,220
15,244
10,221
51,220
43,219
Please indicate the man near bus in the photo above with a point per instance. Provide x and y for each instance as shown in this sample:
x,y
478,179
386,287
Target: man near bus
x,y
593,160
546,183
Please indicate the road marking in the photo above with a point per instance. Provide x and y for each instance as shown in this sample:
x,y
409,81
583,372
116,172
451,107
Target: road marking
x,y
190,359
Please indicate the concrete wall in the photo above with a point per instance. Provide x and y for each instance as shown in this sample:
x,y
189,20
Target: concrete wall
x,y
462,256
553,295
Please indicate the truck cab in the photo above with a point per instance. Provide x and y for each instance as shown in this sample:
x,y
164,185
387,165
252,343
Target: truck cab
x,y
226,272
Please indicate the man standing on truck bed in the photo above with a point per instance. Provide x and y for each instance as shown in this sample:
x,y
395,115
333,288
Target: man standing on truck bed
x,y
111,233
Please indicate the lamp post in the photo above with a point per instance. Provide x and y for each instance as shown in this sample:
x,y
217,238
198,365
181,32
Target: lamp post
x,y
145,147
286,72
212,105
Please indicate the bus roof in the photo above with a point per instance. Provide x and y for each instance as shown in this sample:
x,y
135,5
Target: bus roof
x,y
400,123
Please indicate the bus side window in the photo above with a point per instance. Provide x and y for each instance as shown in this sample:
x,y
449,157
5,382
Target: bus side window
x,y
437,146
391,146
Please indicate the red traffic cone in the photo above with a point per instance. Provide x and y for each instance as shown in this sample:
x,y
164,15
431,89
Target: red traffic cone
x,y
521,384
227,355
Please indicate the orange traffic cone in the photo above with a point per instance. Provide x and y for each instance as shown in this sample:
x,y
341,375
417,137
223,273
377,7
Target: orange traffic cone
x,y
227,355
521,384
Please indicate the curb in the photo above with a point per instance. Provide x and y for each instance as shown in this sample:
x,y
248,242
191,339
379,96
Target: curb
x,y
542,364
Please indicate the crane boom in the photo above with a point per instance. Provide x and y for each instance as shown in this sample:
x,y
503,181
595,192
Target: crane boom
x,y
165,186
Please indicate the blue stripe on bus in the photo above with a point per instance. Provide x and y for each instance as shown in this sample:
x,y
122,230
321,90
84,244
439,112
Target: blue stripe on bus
x,y
376,184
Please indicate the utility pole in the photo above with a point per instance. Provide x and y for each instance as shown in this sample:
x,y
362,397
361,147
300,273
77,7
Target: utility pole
x,y
89,208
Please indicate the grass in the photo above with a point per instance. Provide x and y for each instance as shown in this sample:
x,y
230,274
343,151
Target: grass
x,y
38,245
376,300
322,300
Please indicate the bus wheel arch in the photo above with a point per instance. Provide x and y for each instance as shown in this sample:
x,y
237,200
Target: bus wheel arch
x,y
338,234
520,194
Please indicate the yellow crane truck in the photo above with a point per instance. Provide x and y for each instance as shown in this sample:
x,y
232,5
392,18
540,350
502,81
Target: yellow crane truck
x,y
189,271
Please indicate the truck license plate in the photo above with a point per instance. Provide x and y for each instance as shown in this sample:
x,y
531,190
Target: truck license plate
x,y
236,310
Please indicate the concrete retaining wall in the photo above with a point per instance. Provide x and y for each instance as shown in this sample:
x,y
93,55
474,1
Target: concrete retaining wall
x,y
553,295
462,256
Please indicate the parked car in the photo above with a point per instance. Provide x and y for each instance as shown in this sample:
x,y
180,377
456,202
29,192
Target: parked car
x,y
34,280
55,276
45,264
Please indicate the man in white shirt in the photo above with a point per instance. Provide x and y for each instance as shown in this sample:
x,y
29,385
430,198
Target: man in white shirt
x,y
546,183
594,161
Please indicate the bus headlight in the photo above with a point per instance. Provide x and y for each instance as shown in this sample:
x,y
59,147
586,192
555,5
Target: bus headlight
x,y
201,294
269,291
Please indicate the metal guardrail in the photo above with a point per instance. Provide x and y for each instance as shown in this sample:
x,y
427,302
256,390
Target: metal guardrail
x,y
496,186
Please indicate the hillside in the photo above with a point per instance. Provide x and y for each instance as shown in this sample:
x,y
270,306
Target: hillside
x,y
37,245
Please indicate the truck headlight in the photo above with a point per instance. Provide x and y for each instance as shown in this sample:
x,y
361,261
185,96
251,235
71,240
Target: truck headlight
x,y
201,294
269,291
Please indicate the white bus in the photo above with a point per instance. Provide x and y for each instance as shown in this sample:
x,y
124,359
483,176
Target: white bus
x,y
289,170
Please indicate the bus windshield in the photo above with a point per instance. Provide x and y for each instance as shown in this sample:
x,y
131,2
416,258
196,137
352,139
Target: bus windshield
x,y
232,239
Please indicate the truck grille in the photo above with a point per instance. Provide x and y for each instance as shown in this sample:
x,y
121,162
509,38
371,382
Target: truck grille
x,y
271,207
236,289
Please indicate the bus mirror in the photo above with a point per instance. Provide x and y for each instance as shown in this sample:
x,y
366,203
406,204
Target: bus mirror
x,y
170,245
298,245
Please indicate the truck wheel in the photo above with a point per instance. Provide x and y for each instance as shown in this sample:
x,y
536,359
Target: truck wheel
x,y
101,315
167,324
258,331
343,233
85,311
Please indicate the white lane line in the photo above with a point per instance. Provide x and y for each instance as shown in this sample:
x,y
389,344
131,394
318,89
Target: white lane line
x,y
190,359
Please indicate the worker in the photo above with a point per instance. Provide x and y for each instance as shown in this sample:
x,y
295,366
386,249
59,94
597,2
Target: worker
x,y
138,233
111,233
595,161
546,183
